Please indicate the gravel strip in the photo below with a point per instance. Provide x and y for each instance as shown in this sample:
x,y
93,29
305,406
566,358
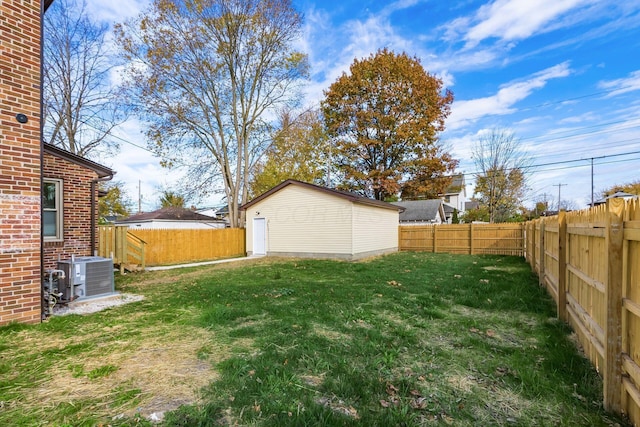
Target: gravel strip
x,y
93,306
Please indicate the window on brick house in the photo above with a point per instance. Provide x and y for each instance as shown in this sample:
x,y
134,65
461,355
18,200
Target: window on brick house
x,y
52,209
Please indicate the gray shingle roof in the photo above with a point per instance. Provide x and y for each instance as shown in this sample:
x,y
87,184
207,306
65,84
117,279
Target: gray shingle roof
x,y
419,210
170,213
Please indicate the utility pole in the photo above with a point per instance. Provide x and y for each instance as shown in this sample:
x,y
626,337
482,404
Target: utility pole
x,y
559,187
592,182
329,160
139,196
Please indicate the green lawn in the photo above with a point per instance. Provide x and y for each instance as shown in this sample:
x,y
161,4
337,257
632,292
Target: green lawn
x,y
407,339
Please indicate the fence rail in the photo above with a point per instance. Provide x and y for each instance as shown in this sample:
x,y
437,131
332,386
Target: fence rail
x,y
589,261
495,239
124,248
175,246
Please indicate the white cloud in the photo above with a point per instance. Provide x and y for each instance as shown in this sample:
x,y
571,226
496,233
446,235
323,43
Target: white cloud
x,y
588,117
509,20
116,11
463,112
332,50
399,5
623,85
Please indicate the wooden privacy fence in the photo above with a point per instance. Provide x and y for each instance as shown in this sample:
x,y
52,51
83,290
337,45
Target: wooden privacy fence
x,y
589,261
175,246
494,239
123,247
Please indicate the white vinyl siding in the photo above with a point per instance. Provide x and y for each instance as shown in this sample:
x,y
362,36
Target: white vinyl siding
x,y
374,229
300,220
306,222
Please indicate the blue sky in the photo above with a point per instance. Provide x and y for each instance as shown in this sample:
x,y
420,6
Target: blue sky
x,y
562,75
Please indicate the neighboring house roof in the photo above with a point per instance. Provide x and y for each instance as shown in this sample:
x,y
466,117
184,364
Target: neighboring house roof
x,y
421,210
471,205
352,197
170,213
101,170
616,195
457,185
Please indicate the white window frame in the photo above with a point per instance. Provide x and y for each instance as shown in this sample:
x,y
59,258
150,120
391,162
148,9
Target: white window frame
x,y
58,209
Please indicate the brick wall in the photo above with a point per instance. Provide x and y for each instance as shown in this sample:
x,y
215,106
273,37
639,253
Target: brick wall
x,y
76,210
20,270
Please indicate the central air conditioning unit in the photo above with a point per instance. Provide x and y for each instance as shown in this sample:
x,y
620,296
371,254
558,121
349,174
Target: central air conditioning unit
x,y
86,276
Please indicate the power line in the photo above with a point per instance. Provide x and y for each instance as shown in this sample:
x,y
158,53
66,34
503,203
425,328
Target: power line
x,y
117,137
559,185
562,162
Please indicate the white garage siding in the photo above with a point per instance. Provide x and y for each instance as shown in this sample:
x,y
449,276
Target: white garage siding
x,y
375,230
305,220
301,222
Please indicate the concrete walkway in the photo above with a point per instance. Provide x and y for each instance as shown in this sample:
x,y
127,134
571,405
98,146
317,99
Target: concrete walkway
x,y
198,264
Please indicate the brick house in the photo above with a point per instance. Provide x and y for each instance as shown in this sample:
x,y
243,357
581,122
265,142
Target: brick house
x,y
24,162
20,152
70,205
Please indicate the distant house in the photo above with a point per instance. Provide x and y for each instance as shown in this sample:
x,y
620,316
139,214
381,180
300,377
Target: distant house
x,y
305,220
473,204
616,195
421,212
171,218
455,197
218,212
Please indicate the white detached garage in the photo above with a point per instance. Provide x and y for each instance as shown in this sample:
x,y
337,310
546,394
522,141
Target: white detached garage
x,y
305,220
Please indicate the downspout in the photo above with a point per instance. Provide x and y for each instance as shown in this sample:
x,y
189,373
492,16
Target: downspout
x,y
94,196
43,9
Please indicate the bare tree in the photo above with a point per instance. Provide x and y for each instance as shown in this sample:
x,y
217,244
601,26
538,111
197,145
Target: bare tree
x,y
80,107
210,75
501,179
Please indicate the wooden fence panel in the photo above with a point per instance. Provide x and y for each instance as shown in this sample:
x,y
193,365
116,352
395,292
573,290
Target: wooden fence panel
x,y
174,246
416,238
498,239
453,238
586,276
631,312
551,254
590,259
117,243
490,239
530,239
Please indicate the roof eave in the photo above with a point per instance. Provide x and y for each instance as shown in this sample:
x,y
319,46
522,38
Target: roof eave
x,y
101,170
340,194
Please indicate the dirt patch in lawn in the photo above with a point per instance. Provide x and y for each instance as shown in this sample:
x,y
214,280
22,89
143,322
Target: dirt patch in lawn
x,y
147,375
162,277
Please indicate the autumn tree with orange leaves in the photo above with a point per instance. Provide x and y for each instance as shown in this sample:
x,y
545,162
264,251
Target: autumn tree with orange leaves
x,y
384,117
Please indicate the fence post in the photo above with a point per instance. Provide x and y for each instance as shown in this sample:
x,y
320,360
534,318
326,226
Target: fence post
x,y
562,266
435,229
612,372
531,240
541,256
471,239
